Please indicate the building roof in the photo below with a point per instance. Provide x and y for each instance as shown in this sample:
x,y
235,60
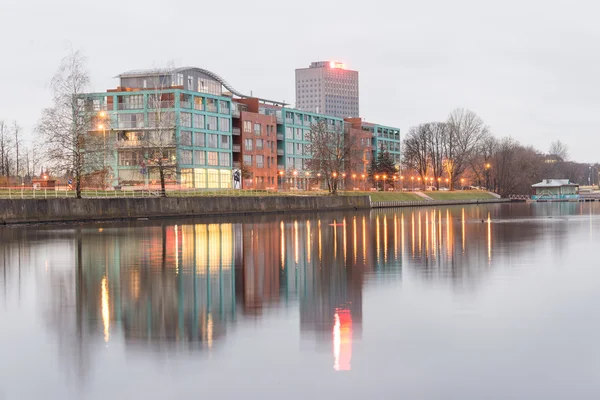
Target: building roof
x,y
162,71
552,183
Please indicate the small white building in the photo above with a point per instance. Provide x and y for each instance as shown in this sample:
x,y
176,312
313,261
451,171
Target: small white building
x,y
555,189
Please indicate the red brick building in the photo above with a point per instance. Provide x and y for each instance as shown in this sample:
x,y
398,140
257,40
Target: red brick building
x,y
254,144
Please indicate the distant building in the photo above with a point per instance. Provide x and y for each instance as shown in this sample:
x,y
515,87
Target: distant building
x,y
381,138
327,87
555,189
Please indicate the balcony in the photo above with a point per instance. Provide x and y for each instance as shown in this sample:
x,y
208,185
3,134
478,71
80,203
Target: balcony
x,y
280,136
279,120
281,167
130,125
198,106
129,143
236,148
235,131
235,113
185,104
279,152
211,108
126,106
161,104
237,164
225,111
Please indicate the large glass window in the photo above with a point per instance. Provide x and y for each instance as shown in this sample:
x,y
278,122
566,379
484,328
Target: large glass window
x,y
225,179
289,132
248,144
289,148
223,107
224,125
211,105
186,119
133,120
224,142
133,102
298,134
128,158
213,141
199,157
199,139
224,159
198,121
248,159
213,158
186,157
211,123
247,126
213,178
161,119
200,178
260,161
257,129
259,144
198,104
185,138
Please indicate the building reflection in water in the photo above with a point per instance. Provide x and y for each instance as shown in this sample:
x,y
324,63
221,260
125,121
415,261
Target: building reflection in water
x,y
184,286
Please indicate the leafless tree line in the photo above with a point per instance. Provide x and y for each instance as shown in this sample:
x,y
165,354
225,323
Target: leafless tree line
x,y
19,160
462,149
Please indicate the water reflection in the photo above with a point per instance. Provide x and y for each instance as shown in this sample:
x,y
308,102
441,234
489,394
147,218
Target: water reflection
x,y
184,285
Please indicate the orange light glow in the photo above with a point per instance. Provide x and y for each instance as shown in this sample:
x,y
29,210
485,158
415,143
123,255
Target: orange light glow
x,y
342,340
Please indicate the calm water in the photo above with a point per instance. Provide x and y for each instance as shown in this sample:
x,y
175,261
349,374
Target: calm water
x,y
480,302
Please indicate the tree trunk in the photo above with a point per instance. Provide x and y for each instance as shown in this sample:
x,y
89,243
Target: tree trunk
x,y
78,184
161,171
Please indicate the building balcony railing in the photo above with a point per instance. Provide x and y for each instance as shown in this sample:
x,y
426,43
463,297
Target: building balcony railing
x,y
279,120
130,125
225,111
198,106
279,152
235,113
237,164
236,148
126,106
211,108
280,136
259,148
185,104
289,121
235,131
161,104
281,167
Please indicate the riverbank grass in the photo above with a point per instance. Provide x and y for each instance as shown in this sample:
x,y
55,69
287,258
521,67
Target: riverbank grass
x,y
460,195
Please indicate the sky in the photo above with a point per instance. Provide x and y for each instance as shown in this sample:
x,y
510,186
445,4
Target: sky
x,y
529,68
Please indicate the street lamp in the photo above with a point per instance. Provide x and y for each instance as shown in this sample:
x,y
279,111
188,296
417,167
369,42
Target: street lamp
x,y
412,179
377,182
295,173
401,182
307,180
487,176
364,182
462,183
384,179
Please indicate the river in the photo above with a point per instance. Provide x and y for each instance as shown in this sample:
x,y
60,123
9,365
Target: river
x,y
477,302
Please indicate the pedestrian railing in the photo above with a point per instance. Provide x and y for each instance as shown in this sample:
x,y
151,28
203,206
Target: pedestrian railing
x,y
421,203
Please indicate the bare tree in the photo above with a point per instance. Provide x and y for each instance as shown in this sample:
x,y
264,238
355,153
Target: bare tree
x,y
481,164
329,151
17,145
416,150
65,126
5,151
159,142
465,131
436,133
559,150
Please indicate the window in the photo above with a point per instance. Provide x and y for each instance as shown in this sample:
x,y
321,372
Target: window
x,y
161,119
298,164
211,123
248,144
135,120
257,129
211,105
186,156
213,158
289,163
134,102
289,148
198,121
225,179
298,134
270,130
224,125
198,104
199,139
186,119
223,107
225,142
129,158
247,126
248,160
212,141
224,159
199,157
190,85
179,81
299,148
259,144
260,161
185,138
289,132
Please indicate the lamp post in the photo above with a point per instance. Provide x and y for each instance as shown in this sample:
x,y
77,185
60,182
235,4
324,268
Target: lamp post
x,y
439,182
487,176
412,179
419,182
384,179
462,183
344,180
401,183
395,179
364,183
377,182
353,181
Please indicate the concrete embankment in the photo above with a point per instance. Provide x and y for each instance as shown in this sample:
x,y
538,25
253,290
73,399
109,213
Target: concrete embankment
x,y
70,210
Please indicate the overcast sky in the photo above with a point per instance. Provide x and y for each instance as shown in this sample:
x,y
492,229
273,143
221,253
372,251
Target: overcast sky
x,y
528,68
